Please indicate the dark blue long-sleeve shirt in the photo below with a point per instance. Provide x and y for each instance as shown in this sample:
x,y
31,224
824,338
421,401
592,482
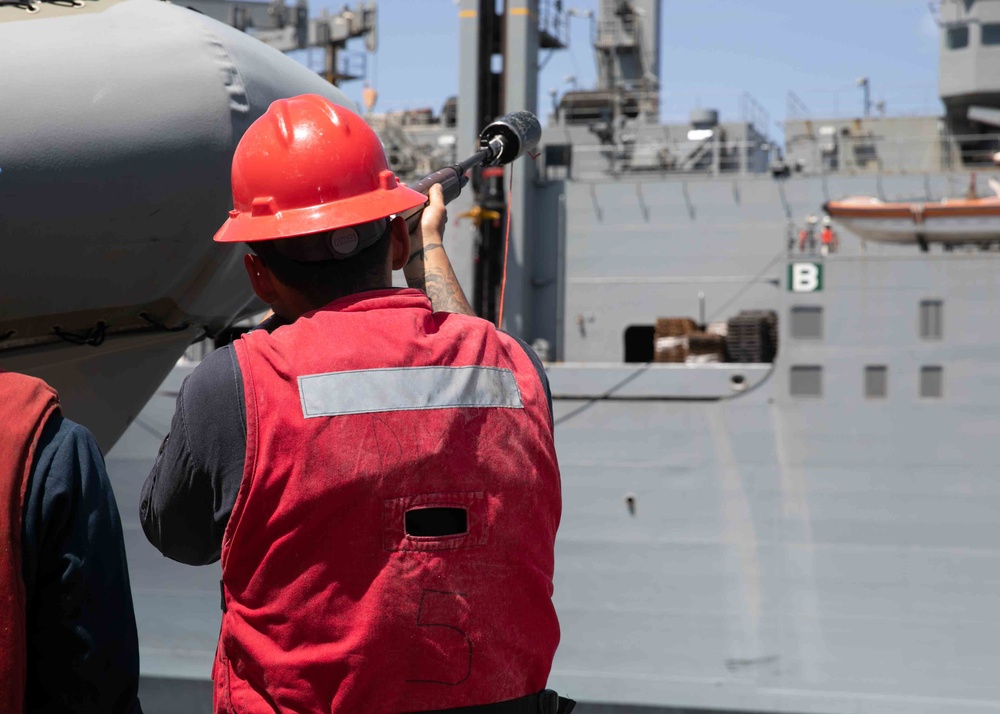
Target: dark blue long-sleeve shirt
x,y
83,652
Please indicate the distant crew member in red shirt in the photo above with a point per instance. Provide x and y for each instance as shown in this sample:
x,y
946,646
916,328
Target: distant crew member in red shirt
x,y
828,239
386,527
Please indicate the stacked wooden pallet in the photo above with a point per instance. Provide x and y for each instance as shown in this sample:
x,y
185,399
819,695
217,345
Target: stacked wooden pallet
x,y
670,338
679,340
705,347
752,336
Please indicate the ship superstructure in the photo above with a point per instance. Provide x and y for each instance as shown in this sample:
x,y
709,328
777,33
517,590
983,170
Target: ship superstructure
x,y
811,535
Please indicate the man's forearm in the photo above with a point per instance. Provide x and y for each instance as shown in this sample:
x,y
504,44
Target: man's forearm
x,y
429,269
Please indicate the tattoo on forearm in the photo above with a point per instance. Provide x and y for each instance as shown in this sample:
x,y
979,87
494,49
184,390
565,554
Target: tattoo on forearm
x,y
420,253
445,293
439,282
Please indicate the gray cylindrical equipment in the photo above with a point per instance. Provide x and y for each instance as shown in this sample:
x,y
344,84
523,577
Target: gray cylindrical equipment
x,y
705,118
512,136
115,158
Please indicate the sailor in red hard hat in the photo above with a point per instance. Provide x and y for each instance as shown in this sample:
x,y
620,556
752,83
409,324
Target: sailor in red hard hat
x,y
374,466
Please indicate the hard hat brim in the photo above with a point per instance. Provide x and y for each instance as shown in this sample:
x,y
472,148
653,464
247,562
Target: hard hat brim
x,y
243,227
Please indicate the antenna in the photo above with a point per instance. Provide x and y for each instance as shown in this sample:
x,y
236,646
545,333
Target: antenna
x,y
866,88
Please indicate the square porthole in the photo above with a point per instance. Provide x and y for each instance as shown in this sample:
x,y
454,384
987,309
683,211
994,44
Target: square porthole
x,y
876,381
957,37
806,381
806,323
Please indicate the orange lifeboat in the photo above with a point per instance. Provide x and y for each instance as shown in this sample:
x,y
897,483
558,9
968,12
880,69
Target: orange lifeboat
x,y
951,221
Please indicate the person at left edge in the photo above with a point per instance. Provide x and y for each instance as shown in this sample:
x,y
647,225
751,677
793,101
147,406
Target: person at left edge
x,y
68,640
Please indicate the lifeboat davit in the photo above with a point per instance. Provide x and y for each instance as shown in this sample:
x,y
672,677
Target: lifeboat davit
x,y
951,221
117,129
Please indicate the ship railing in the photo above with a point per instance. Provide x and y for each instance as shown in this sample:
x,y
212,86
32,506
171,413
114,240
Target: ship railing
x,y
553,25
709,156
920,99
649,155
629,100
617,33
891,155
753,112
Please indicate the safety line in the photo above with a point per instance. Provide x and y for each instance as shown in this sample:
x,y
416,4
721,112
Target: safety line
x,y
749,284
506,247
608,394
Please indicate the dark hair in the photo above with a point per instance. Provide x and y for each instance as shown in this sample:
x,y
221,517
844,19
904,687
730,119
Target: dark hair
x,y
324,281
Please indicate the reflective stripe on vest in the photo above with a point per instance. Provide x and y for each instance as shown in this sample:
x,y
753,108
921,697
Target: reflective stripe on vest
x,y
391,545
403,388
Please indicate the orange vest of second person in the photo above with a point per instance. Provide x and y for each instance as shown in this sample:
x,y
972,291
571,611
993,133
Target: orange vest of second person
x,y
391,547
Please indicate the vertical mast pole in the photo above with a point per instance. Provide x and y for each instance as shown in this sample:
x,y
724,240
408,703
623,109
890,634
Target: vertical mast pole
x,y
520,91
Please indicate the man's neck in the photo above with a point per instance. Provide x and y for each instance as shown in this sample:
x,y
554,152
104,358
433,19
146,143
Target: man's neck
x,y
301,304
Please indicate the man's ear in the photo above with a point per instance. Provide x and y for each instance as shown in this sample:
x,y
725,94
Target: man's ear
x,y
260,278
400,248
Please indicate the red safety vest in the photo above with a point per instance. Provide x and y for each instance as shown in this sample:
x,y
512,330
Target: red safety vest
x,y
362,417
827,236
26,404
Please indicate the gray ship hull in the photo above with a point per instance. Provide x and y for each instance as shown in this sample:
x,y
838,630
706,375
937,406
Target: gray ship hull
x,y
755,549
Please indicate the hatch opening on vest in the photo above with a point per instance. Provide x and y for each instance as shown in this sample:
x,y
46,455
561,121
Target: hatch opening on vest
x,y
436,522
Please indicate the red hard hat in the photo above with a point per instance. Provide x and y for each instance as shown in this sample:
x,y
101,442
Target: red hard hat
x,y
309,166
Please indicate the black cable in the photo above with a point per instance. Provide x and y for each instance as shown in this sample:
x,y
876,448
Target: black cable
x,y
92,336
781,254
593,400
159,325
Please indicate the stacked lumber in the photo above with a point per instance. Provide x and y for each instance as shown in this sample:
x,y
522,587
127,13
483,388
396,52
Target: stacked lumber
x,y
705,347
670,338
